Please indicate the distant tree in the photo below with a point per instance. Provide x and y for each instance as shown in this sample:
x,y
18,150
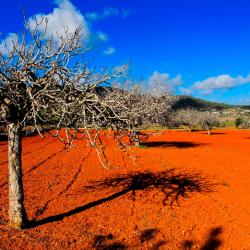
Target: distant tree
x,y
195,118
44,81
147,104
244,123
207,120
186,117
239,121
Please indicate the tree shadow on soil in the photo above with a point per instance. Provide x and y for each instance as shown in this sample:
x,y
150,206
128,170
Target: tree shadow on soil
x,y
109,242
213,241
169,185
148,234
147,237
214,133
165,144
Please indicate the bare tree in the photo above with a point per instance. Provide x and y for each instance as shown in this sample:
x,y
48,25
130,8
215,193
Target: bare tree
x,y
195,118
207,120
147,104
186,117
44,82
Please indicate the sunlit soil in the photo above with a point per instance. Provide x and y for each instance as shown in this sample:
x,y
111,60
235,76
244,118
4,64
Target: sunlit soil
x,y
184,191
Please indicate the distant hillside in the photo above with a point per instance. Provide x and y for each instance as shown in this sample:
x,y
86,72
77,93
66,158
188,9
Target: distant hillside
x,y
184,102
197,103
245,107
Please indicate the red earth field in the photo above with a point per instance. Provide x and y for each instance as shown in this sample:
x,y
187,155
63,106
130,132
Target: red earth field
x,y
185,191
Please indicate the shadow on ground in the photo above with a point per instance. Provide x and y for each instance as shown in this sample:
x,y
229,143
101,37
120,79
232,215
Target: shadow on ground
x,y
213,241
176,144
169,185
215,133
109,241
149,238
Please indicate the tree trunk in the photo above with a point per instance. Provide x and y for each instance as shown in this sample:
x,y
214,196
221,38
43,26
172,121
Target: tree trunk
x,y
137,139
208,131
17,214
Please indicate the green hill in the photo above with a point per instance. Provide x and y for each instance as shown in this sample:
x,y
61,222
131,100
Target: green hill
x,y
197,103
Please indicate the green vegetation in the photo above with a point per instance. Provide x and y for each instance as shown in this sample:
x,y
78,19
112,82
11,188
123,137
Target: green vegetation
x,y
191,102
238,121
229,123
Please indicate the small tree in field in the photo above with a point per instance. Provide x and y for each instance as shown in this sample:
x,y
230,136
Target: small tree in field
x,y
244,122
147,105
43,82
194,118
186,117
238,122
207,121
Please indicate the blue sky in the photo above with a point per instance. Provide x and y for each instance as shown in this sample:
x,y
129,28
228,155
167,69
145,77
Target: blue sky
x,y
200,47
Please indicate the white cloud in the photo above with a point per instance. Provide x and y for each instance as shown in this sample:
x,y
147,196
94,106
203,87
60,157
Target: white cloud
x,y
66,15
176,81
102,36
107,12
185,91
7,44
109,51
165,78
163,82
220,82
92,16
110,12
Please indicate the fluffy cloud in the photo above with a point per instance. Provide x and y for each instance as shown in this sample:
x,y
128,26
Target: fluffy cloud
x,y
211,84
102,36
185,91
107,12
163,82
221,82
66,15
7,44
165,78
109,51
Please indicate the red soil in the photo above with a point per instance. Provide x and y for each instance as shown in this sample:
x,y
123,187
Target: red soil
x,y
202,203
